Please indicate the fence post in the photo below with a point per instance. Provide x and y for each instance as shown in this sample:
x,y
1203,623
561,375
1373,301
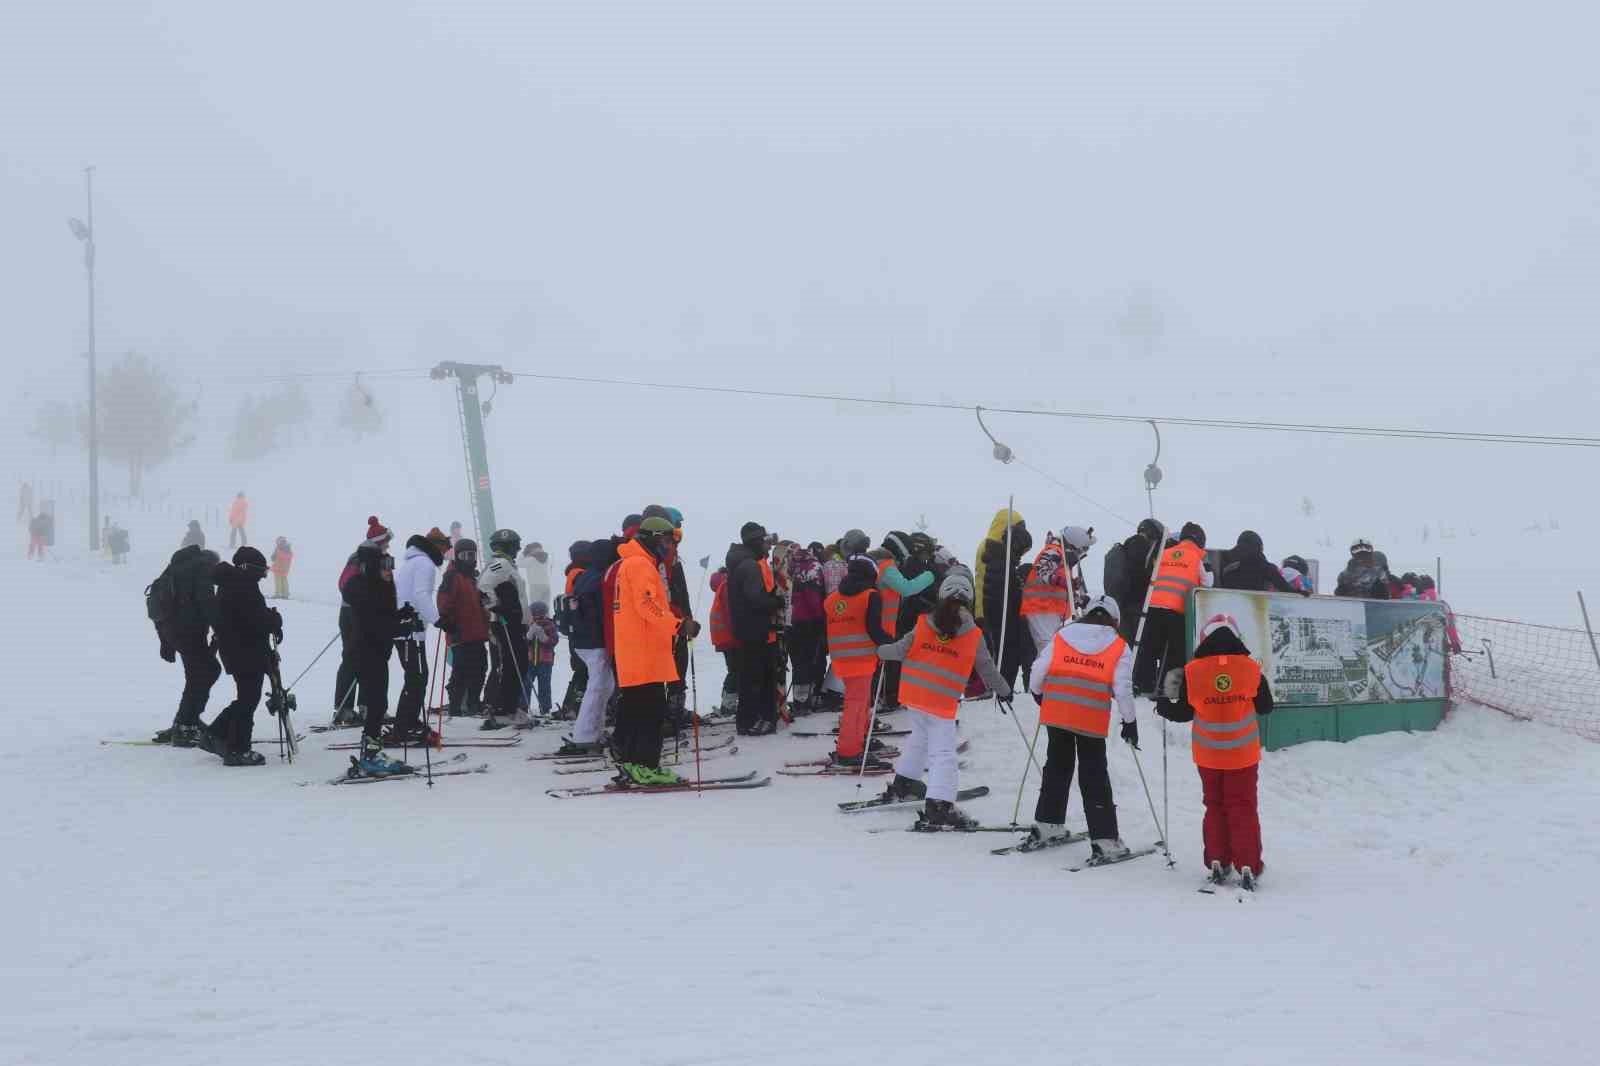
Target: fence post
x,y
1586,628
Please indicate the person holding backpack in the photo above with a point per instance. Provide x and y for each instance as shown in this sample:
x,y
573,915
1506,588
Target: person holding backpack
x,y
181,604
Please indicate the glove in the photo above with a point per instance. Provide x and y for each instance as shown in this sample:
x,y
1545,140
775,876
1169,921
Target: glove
x,y
1172,685
277,622
1130,733
690,629
1168,710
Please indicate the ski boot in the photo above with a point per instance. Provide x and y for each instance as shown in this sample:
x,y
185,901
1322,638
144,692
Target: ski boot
x,y
208,741
247,757
490,721
1045,832
1248,879
762,728
165,735
904,788
413,736
521,720
1218,875
187,736
575,748
878,747
634,774
1110,849
374,763
946,813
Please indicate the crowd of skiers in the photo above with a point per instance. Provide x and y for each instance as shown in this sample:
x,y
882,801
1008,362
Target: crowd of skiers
x,y
864,629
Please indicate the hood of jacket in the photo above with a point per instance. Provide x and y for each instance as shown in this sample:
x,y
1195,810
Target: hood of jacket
x,y
737,554
632,549
1249,546
1223,641
997,528
1089,638
861,576
420,545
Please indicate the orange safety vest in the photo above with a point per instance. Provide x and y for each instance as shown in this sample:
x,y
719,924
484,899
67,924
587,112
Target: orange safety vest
x,y
1078,689
1041,597
933,677
1222,691
849,646
889,600
771,583
1177,575
722,637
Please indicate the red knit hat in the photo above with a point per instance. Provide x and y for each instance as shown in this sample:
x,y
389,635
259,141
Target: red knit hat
x,y
377,533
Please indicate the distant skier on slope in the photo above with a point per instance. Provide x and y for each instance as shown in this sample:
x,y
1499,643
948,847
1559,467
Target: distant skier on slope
x,y
1079,678
938,656
1223,691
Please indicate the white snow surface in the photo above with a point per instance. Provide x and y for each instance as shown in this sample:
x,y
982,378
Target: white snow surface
x,y
1428,898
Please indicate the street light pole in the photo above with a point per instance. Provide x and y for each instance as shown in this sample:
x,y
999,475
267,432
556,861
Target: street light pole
x,y
94,418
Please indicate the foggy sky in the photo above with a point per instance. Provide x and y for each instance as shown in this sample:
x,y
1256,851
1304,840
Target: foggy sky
x,y
1385,213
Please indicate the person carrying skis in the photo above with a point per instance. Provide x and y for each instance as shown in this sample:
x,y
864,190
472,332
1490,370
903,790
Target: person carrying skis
x,y
238,515
753,604
507,600
465,622
645,628
588,621
414,580
282,560
938,656
999,585
1223,692
1053,591
367,588
855,629
245,628
1161,649
1079,678
188,586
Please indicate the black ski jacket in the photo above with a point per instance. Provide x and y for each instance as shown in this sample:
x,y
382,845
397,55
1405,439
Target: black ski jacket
x,y
244,623
750,606
1222,642
1245,567
193,571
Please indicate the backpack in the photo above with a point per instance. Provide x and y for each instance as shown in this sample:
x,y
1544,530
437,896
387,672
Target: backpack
x,y
1116,572
161,599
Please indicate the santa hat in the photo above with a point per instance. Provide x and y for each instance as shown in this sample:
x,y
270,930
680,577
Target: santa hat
x,y
378,535
1219,621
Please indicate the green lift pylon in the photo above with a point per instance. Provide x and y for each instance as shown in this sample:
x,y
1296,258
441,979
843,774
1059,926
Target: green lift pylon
x,y
472,410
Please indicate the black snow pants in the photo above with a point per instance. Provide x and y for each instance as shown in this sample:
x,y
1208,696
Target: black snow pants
x,y
1094,783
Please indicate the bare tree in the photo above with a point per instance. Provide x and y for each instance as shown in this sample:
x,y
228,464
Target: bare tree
x,y
263,423
144,420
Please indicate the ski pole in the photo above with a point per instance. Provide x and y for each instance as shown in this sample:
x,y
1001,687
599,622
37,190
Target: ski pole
x,y
1016,810
1024,738
872,720
314,662
694,716
1150,800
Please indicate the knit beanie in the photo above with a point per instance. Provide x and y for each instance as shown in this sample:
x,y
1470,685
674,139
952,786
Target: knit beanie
x,y
378,535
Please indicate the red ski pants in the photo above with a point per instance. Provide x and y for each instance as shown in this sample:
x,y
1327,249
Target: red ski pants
x,y
1232,826
857,716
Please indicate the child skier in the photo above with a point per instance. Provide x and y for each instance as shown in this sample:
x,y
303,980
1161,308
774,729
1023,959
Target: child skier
x,y
938,656
541,654
1222,693
855,630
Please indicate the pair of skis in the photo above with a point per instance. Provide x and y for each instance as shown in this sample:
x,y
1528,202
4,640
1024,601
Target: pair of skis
x,y
452,767
710,784
485,742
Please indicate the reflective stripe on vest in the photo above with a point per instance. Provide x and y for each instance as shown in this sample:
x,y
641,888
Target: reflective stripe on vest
x,y
1041,597
1222,690
1078,689
1177,575
933,677
849,645
890,600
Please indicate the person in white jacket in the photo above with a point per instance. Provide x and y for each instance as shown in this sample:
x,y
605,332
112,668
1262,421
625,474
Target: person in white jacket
x,y
1082,677
414,581
506,597
536,572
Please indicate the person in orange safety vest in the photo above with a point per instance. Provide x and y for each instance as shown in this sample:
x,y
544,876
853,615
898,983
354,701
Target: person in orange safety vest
x,y
1223,692
1082,677
1180,570
937,657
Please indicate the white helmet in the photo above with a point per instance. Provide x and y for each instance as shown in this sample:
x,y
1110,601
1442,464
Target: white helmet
x,y
1106,604
1078,539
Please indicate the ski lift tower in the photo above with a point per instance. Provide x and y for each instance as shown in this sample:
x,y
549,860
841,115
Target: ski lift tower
x,y
472,410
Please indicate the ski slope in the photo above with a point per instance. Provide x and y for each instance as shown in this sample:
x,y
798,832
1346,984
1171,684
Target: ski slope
x,y
1428,898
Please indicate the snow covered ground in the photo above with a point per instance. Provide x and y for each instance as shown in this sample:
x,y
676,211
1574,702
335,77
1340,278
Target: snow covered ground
x,y
1429,898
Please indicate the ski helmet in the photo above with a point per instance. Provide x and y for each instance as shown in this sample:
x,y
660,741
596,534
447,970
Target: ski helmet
x,y
896,544
1078,539
505,542
1192,531
1219,621
1150,529
1104,605
854,542
1362,544
753,535
467,550
921,544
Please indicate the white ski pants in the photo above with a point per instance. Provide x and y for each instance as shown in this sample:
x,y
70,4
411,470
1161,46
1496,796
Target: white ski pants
x,y
1042,628
931,747
602,682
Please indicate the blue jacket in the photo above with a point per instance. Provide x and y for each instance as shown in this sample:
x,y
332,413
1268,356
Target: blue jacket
x,y
588,624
